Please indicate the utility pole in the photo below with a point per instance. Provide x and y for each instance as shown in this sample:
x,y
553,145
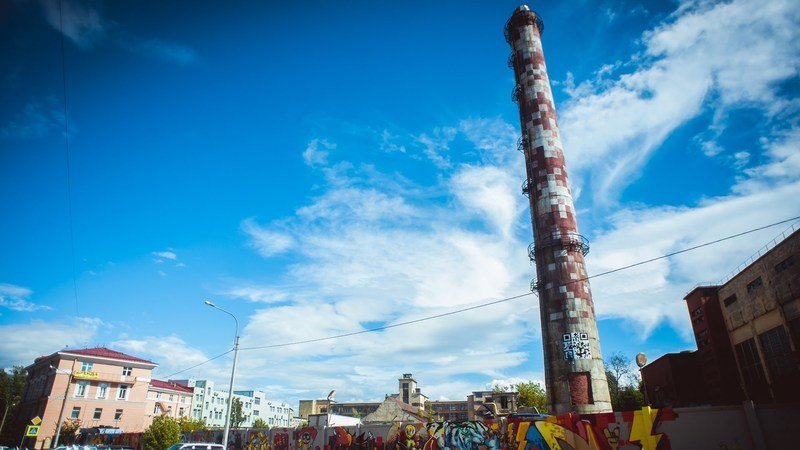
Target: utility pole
x,y
63,404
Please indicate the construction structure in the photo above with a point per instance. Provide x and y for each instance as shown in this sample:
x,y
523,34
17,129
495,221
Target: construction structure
x,y
574,374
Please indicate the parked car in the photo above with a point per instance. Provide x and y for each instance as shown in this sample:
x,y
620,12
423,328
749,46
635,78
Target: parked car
x,y
196,446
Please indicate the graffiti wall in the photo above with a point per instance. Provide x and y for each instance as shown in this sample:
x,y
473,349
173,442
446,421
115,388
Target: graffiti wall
x,y
635,430
737,427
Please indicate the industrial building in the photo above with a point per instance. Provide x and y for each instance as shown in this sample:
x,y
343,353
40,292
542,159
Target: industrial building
x,y
747,331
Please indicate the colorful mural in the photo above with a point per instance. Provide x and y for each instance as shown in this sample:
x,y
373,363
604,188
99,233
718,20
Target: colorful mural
x,y
611,431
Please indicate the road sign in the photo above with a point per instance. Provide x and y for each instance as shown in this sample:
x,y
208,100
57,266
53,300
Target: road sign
x,y
32,430
36,420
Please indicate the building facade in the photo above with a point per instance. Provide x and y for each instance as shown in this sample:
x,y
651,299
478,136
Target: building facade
x,y
167,399
673,380
573,366
714,353
211,405
761,308
98,387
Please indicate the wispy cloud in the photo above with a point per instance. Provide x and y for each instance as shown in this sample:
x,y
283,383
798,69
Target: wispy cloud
x,y
613,124
165,51
16,298
37,119
437,144
316,153
84,25
21,343
265,241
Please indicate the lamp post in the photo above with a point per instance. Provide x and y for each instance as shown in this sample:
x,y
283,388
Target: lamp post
x,y
233,375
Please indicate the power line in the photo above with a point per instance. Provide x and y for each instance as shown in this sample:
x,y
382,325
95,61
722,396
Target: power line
x,y
198,365
507,299
66,147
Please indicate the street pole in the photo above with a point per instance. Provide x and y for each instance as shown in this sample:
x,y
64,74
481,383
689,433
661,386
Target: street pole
x,y
233,375
230,393
63,404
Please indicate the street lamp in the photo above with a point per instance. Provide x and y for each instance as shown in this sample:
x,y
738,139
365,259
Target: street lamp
x,y
64,403
233,375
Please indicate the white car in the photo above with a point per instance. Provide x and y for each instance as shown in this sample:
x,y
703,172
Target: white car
x,y
196,446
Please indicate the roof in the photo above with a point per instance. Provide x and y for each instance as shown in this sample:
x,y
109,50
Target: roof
x,y
103,352
160,384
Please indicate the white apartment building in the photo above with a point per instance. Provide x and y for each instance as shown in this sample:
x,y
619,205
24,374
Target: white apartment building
x,y
212,405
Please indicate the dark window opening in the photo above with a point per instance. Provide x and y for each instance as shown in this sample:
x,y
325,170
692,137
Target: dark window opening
x,y
755,284
730,300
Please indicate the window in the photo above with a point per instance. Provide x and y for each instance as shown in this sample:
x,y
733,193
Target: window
x,y
257,401
170,397
755,284
729,301
80,388
76,412
180,412
157,409
87,366
97,413
255,412
122,392
118,414
777,352
158,395
102,390
750,365
183,399
126,371
785,264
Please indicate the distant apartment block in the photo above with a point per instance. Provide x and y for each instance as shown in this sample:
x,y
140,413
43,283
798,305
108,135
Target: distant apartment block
x,y
211,405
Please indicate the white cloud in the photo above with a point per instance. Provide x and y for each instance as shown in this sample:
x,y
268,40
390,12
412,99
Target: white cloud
x,y
437,145
82,23
317,151
16,298
266,242
21,343
173,354
738,50
166,254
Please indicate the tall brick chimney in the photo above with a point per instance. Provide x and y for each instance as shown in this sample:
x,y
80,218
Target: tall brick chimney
x,y
574,374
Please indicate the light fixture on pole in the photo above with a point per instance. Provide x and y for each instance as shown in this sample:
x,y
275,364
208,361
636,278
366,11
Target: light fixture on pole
x,y
69,373
233,374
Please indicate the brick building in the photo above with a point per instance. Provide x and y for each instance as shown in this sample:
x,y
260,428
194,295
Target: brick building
x,y
747,332
761,308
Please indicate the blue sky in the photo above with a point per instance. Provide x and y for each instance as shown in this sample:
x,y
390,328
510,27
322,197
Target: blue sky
x,y
320,169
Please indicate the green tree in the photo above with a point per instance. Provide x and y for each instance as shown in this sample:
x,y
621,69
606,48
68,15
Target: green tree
x,y
237,415
624,383
260,423
191,425
532,395
69,431
12,385
163,432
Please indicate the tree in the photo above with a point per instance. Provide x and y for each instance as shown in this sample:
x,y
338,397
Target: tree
x,y
237,415
532,395
624,384
69,431
163,432
191,425
260,423
12,385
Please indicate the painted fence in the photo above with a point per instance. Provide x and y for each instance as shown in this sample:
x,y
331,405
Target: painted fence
x,y
745,427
